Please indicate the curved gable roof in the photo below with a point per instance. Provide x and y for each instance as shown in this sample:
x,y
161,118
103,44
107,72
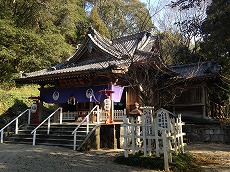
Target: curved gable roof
x,y
138,46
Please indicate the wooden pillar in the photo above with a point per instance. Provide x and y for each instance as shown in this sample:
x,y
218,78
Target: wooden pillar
x,y
97,136
127,100
203,102
112,110
91,119
174,103
40,113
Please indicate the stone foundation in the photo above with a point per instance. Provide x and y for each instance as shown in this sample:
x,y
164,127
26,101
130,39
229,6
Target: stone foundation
x,y
218,133
108,136
105,137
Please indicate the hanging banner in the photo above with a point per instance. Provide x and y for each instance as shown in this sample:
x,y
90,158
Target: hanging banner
x,y
81,94
118,90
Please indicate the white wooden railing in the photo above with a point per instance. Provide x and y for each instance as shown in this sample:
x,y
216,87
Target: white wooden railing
x,y
86,120
48,126
162,134
16,124
118,115
72,115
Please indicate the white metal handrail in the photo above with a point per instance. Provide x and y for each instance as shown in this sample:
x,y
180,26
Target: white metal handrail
x,y
48,127
16,124
86,119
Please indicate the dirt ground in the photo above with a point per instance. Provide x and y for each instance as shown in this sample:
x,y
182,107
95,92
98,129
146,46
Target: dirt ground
x,y
28,158
214,157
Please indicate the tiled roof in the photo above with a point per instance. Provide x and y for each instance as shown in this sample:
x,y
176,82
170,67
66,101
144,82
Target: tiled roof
x,y
80,68
194,70
127,45
119,50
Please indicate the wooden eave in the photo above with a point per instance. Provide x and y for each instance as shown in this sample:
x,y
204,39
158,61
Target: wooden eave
x,y
50,78
197,79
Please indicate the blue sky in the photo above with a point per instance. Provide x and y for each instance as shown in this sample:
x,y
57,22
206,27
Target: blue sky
x,y
144,1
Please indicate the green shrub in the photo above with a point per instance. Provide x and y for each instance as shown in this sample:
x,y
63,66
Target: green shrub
x,y
181,162
15,100
139,160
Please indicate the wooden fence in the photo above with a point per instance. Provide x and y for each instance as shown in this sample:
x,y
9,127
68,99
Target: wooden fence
x,y
219,111
71,116
117,115
154,133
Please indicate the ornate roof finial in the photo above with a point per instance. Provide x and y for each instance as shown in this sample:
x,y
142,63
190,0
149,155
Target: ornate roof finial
x,y
91,30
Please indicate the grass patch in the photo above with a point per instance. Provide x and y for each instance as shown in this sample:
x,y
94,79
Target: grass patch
x,y
15,100
186,163
181,163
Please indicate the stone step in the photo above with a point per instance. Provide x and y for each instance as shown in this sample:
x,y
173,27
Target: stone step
x,y
46,144
43,140
56,127
60,135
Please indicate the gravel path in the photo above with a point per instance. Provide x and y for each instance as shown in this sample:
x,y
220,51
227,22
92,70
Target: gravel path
x,y
28,158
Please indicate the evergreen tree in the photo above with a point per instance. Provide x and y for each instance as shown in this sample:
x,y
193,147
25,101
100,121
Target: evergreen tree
x,y
123,17
216,34
37,34
173,50
97,23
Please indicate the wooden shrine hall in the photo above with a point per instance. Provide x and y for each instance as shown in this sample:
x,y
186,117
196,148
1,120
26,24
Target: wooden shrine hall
x,y
100,64
93,81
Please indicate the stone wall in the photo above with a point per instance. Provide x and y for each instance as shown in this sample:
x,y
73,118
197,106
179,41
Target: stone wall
x,y
218,133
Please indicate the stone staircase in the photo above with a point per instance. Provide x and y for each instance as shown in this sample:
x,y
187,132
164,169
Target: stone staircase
x,y
60,135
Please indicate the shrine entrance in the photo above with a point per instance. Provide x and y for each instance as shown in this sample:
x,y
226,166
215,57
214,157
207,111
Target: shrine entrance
x,y
77,102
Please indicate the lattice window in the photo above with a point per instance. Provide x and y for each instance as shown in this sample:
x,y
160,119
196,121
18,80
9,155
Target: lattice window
x,y
163,120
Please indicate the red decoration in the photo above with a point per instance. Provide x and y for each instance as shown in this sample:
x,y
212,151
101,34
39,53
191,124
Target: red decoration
x,y
35,115
107,92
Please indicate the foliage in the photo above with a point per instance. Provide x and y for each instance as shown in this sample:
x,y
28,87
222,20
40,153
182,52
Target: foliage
x,y
186,163
138,160
186,4
190,16
66,14
212,30
173,50
36,34
181,162
123,17
25,50
16,100
216,45
98,24
54,16
216,34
